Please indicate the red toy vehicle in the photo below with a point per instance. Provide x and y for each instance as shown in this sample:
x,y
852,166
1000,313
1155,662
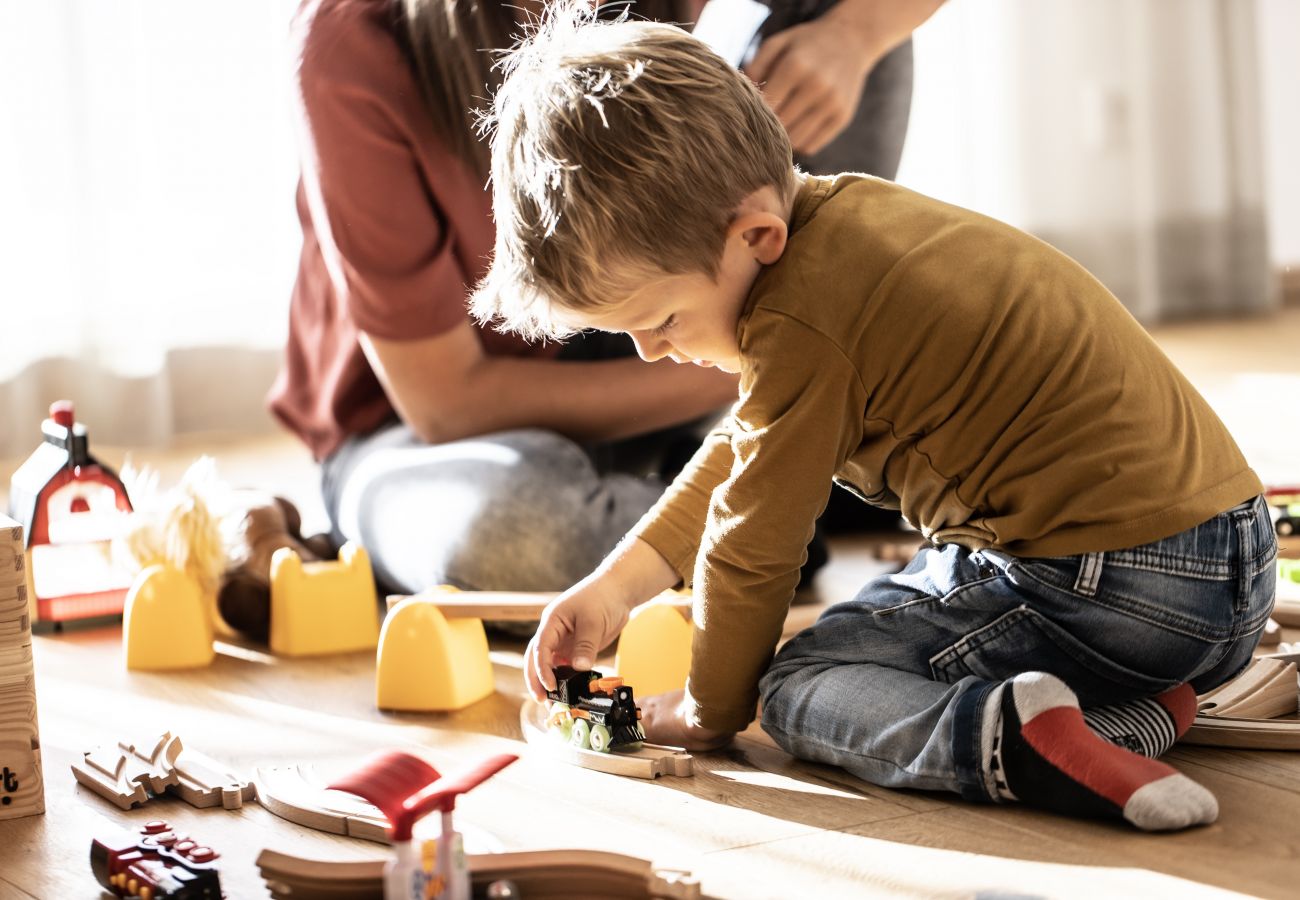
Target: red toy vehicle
x,y
156,863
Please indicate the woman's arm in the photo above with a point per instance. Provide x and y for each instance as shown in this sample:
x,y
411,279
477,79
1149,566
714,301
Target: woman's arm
x,y
812,75
445,388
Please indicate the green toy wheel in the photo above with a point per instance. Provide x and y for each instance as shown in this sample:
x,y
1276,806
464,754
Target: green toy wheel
x,y
580,735
599,738
563,721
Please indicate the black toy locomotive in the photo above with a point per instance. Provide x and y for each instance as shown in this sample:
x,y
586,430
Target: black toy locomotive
x,y
593,712
155,863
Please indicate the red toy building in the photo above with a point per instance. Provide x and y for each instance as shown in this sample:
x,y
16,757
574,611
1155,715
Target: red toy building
x,y
70,506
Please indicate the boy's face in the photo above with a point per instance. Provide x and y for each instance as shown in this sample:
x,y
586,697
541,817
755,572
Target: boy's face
x,y
689,318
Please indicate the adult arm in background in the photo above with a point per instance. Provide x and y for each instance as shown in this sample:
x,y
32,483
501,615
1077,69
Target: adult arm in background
x,y
813,74
446,387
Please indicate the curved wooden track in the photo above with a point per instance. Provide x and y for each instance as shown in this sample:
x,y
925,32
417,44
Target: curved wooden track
x,y
538,875
650,761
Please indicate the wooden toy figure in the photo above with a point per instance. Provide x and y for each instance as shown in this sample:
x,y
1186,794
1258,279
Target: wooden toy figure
x,y
70,505
406,788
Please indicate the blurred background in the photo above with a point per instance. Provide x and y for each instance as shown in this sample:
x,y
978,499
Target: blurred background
x,y
148,239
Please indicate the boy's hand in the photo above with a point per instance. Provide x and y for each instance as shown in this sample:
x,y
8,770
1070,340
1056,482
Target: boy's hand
x,y
575,626
664,717
583,620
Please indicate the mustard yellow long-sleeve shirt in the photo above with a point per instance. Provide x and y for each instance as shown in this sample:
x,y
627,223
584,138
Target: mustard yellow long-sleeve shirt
x,y
940,362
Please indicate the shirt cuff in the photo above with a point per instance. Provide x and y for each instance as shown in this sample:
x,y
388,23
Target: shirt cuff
x,y
672,543
717,719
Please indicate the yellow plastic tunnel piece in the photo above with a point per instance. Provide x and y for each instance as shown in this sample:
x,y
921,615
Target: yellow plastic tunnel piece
x,y
429,663
166,623
654,650
323,607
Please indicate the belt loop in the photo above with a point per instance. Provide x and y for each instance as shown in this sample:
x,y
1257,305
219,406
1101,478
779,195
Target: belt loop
x,y
1245,559
1089,574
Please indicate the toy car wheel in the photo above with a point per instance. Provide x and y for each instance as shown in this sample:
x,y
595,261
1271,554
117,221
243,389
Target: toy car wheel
x,y
562,720
599,738
580,736
1286,527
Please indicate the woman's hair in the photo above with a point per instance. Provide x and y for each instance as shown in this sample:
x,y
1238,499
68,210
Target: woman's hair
x,y
620,153
453,47
449,44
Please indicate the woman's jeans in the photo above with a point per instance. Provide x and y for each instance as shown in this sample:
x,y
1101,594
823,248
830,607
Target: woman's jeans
x,y
893,684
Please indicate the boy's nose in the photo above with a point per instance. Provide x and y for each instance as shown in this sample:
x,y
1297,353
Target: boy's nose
x,y
648,346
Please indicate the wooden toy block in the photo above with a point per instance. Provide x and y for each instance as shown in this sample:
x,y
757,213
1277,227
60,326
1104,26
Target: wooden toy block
x,y
427,663
128,774
650,761
537,874
654,650
22,790
323,607
166,624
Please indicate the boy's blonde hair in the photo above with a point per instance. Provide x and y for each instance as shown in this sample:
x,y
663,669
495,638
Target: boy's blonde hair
x,y
620,151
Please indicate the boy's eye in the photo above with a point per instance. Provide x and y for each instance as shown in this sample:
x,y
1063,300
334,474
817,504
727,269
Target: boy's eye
x,y
668,323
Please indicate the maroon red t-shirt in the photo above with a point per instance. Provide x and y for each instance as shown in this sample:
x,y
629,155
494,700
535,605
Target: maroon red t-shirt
x,y
395,228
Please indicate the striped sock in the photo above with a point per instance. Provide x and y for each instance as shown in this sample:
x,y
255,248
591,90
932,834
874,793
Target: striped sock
x,y
1046,756
1149,726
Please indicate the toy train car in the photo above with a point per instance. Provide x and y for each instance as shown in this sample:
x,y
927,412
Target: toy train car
x,y
156,863
593,712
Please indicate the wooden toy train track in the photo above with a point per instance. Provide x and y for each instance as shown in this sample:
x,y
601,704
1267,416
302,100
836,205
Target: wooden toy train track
x,y
650,761
538,875
1257,710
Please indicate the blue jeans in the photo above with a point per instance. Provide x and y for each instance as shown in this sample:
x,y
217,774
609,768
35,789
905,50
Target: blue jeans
x,y
892,684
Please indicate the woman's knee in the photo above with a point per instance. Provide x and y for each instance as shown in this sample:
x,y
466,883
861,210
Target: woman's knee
x,y
511,511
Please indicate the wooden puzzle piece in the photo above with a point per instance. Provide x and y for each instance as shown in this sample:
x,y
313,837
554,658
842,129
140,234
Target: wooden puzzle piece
x,y
127,774
650,761
22,792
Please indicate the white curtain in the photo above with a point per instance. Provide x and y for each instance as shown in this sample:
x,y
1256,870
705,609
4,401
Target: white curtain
x,y
146,211
1126,132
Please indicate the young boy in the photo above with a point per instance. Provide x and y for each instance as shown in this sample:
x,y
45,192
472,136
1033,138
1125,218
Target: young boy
x,y
1096,537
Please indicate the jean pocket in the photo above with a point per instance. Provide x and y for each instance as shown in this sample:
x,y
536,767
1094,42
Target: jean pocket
x,y
1024,640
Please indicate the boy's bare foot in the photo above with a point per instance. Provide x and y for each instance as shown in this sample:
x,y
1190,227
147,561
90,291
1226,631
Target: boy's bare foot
x,y
1045,755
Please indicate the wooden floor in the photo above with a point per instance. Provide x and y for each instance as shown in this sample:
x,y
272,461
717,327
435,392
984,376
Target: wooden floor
x,y
752,823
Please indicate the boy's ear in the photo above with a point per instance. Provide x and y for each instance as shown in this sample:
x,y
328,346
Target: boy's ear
x,y
764,233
